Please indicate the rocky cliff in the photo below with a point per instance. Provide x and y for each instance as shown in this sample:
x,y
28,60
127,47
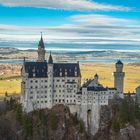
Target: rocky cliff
x,y
113,127
55,124
120,120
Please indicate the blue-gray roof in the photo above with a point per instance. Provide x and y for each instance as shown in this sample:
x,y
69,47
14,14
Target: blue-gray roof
x,y
96,89
50,61
40,69
119,62
41,43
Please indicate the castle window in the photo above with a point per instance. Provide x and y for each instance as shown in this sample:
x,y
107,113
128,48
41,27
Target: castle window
x,y
60,73
41,101
63,100
31,86
63,80
45,86
56,100
36,87
67,101
37,101
45,96
59,101
57,80
65,72
31,81
59,90
31,97
46,81
45,101
36,81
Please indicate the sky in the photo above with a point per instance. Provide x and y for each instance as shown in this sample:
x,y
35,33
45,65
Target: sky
x,y
99,23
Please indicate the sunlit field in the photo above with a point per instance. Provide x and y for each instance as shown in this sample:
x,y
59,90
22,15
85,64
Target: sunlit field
x,y
10,82
105,72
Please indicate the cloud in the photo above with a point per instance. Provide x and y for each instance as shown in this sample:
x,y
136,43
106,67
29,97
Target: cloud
x,y
89,30
98,19
87,34
64,4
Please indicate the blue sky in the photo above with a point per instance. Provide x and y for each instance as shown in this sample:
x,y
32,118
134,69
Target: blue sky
x,y
66,21
37,16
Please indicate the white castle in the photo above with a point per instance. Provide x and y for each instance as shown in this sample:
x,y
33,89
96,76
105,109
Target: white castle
x,y
45,84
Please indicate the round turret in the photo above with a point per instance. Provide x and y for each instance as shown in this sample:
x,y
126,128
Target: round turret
x,y
119,66
41,50
96,78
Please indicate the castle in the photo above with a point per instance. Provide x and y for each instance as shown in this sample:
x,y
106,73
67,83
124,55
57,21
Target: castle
x,y
45,84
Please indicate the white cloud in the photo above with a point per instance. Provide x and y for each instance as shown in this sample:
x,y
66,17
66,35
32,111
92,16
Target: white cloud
x,y
97,19
64,4
73,34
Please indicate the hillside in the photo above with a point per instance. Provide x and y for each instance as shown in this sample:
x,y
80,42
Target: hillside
x,y
120,120
54,124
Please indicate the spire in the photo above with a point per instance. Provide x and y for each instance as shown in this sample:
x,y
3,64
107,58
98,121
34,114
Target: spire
x,y
119,62
41,42
41,50
50,61
24,58
96,75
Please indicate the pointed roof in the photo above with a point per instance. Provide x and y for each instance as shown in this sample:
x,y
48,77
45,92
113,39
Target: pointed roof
x,y
50,61
96,75
41,42
119,62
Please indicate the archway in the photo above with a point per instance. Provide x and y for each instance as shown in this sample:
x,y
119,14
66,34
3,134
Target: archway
x,y
89,120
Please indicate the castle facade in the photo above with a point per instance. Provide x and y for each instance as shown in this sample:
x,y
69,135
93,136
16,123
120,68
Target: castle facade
x,y
46,83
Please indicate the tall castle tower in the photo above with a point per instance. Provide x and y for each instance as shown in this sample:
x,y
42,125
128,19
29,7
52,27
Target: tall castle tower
x,y
41,50
119,77
50,81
